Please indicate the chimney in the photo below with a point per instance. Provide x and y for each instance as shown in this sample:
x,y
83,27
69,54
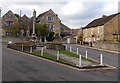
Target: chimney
x,y
103,16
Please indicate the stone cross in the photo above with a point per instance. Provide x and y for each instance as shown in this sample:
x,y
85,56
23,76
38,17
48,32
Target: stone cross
x,y
34,21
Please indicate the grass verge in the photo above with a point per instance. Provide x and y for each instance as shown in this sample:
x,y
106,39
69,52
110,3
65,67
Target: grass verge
x,y
51,57
74,55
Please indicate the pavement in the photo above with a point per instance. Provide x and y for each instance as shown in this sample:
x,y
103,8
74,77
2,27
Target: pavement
x,y
66,57
18,66
97,48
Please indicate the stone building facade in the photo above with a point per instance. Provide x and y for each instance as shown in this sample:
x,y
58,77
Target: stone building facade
x,y
53,22
8,19
65,30
26,24
105,28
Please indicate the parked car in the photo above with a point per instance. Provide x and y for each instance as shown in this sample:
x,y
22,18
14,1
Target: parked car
x,y
34,39
10,42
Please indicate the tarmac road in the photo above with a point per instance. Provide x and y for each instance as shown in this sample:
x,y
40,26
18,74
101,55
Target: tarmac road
x,y
108,57
19,66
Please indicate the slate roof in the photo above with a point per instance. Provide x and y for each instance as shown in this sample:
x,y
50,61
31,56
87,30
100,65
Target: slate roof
x,y
24,17
100,21
42,14
65,26
9,16
66,33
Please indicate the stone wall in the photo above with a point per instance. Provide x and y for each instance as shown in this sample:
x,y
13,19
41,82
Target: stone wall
x,y
19,47
5,39
107,45
55,47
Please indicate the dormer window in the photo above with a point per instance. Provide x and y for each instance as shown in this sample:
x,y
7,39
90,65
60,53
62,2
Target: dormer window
x,y
50,18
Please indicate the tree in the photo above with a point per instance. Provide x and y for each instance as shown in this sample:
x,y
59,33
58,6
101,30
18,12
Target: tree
x,y
80,38
17,15
15,29
50,36
42,30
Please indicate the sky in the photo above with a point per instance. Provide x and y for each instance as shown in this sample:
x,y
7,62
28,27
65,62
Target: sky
x,y
73,13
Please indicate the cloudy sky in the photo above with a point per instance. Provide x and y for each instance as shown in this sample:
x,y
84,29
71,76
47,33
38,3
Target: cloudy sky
x,y
73,13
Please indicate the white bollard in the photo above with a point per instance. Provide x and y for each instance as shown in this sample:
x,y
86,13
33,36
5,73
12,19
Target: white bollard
x,y
30,49
65,47
80,62
58,55
70,49
22,47
86,54
80,42
77,51
42,52
101,59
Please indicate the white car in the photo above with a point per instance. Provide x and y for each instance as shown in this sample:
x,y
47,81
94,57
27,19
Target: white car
x,y
9,42
34,39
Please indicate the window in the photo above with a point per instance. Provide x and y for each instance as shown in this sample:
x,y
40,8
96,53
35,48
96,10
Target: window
x,y
50,18
91,32
50,26
8,23
98,29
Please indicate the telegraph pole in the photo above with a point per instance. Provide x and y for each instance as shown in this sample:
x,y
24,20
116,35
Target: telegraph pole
x,y
1,34
0,19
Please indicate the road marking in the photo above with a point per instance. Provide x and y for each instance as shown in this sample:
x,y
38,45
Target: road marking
x,y
107,68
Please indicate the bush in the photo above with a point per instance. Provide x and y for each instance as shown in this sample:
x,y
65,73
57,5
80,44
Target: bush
x,y
56,43
24,43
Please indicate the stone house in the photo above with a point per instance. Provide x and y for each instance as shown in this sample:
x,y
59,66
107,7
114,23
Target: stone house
x,y
49,17
8,19
25,25
66,31
53,22
77,34
104,28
